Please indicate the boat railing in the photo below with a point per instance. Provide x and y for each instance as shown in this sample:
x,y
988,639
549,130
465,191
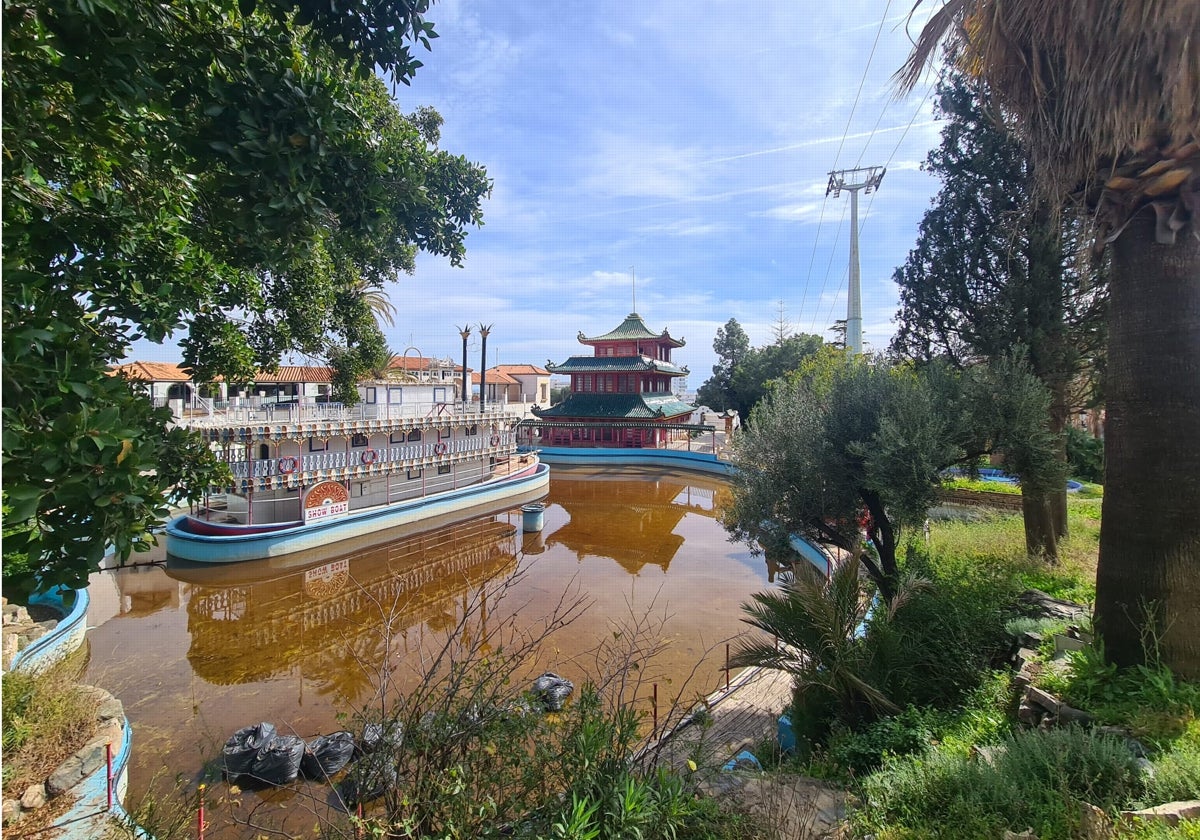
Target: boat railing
x,y
291,413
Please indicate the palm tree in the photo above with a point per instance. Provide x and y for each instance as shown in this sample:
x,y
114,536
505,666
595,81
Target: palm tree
x,y
377,302
815,628
1106,97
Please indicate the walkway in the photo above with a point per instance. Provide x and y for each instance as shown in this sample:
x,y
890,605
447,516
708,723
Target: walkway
x,y
738,718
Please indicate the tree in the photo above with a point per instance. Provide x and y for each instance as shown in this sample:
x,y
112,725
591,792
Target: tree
x,y
992,269
762,366
852,442
731,345
192,166
1105,100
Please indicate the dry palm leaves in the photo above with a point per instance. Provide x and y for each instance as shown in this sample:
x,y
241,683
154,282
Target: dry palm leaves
x,y
1106,93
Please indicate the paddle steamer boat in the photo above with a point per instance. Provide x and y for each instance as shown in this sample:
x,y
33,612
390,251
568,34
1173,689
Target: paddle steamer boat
x,y
317,474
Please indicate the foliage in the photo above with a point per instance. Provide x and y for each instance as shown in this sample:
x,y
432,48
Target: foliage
x,y
850,434
731,346
211,170
814,632
1148,696
46,718
994,269
1037,780
1176,769
1085,455
763,367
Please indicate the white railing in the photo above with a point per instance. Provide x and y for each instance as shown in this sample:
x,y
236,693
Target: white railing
x,y
291,413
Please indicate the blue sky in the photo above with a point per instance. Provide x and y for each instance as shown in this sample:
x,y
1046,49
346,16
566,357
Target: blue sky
x,y
688,142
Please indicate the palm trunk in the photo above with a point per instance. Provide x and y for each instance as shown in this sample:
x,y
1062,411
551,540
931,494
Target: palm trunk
x,y
1148,579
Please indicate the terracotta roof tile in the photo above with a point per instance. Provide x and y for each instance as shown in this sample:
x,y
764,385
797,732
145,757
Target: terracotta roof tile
x,y
151,372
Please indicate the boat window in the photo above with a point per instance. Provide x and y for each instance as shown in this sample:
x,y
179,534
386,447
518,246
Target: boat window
x,y
315,445
396,437
264,452
474,430
358,440
414,474
443,469
415,434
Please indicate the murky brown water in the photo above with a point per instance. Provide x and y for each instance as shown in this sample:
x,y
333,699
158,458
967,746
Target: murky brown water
x,y
195,652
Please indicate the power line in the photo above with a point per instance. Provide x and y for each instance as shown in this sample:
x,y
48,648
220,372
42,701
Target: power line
x,y
837,157
867,213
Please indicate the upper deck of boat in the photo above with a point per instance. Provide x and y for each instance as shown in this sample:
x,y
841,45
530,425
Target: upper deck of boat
x,y
292,419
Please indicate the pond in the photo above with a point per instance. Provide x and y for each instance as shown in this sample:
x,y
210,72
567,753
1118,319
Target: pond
x,y
196,652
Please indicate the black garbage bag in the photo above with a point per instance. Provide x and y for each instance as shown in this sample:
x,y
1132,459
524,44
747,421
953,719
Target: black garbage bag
x,y
279,763
368,779
552,690
376,737
243,747
326,755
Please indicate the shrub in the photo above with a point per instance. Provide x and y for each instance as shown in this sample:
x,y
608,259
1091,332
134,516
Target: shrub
x,y
1037,780
1085,455
46,718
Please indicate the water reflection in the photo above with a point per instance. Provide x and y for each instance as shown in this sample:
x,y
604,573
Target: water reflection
x,y
634,522
196,652
322,617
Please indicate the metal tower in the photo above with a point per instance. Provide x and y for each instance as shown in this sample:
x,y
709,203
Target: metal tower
x,y
866,179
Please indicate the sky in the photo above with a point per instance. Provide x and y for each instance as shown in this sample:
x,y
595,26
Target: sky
x,y
684,143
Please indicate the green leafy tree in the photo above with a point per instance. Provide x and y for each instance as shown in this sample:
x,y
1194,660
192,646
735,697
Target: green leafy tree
x,y
992,270
1104,99
762,366
731,346
852,443
204,168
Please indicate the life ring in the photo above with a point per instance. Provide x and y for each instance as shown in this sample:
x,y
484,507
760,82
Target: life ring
x,y
368,456
287,465
440,448
495,440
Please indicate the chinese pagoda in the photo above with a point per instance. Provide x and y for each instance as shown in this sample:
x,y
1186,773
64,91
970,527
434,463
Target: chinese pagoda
x,y
621,394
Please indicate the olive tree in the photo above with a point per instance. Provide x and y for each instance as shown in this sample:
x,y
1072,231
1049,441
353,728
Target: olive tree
x,y
851,443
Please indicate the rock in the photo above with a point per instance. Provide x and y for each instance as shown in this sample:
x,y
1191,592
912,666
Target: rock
x,y
1171,813
1067,644
12,811
68,774
1145,767
986,754
1025,657
1029,715
110,709
34,633
1094,824
1034,696
1027,834
1040,603
1030,639
10,648
10,617
34,797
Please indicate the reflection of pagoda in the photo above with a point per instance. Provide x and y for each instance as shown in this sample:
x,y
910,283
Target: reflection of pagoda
x,y
331,620
621,394
646,533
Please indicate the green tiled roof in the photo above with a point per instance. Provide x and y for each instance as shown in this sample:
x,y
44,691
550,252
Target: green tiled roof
x,y
617,406
633,327
611,364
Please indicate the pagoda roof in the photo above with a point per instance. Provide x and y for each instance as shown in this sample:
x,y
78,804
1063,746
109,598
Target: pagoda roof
x,y
617,407
633,327
611,364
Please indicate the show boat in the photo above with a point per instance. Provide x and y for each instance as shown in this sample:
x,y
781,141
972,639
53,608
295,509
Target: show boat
x,y
310,475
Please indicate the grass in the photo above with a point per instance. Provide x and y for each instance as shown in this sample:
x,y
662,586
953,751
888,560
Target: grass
x,y
925,783
47,716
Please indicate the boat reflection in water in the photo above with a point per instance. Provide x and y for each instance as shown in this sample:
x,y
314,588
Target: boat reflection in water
x,y
335,621
197,651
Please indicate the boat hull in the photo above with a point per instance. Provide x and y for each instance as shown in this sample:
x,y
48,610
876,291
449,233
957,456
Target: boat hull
x,y
247,544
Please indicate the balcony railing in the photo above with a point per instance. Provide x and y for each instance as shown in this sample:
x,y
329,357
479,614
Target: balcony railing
x,y
230,414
